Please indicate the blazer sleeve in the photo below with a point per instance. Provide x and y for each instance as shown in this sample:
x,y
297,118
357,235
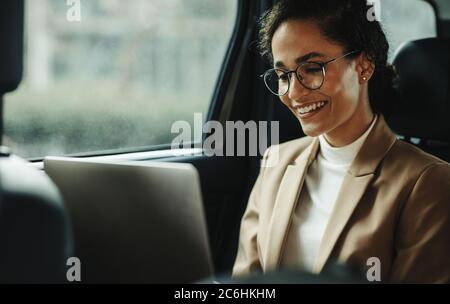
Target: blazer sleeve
x,y
247,260
423,234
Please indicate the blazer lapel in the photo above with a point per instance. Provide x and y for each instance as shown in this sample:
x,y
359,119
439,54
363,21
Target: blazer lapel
x,y
352,189
359,176
286,199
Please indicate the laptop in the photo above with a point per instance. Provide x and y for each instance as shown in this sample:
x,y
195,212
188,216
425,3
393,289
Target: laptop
x,y
134,222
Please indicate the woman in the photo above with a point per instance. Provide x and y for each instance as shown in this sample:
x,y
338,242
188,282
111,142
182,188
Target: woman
x,y
349,191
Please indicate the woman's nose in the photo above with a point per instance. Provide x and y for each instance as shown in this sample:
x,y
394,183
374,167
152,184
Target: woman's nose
x,y
296,89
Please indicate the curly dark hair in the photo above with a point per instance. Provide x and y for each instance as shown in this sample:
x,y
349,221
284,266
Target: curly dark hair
x,y
345,22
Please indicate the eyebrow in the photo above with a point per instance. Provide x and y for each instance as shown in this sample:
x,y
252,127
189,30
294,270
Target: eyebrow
x,y
280,64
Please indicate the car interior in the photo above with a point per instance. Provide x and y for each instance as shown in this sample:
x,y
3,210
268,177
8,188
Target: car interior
x,y
37,229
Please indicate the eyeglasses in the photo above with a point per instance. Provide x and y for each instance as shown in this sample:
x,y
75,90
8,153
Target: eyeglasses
x,y
310,74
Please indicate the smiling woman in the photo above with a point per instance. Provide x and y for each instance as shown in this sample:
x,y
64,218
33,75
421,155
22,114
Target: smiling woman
x,y
350,190
347,111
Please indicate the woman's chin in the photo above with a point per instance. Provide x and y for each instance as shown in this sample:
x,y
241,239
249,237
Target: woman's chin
x,y
315,125
312,131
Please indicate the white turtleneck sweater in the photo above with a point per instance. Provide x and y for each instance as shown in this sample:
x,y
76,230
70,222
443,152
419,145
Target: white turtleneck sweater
x,y
316,201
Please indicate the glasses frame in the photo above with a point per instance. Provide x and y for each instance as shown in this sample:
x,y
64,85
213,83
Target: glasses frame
x,y
296,72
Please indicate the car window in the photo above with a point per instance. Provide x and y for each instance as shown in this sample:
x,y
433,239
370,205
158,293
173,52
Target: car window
x,y
109,75
406,20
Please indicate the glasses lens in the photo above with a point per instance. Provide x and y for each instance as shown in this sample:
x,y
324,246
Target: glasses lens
x,y
311,74
277,81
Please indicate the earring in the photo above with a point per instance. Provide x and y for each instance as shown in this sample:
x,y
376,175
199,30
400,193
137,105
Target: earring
x,y
364,78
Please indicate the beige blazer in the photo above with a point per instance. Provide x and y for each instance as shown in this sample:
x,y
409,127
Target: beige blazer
x,y
394,204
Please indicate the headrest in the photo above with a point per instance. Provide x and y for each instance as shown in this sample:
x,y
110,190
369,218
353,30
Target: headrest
x,y
11,41
424,107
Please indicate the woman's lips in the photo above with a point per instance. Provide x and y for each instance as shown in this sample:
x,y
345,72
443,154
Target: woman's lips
x,y
312,112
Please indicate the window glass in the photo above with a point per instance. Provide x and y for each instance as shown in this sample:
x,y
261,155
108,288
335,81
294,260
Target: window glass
x,y
406,20
107,74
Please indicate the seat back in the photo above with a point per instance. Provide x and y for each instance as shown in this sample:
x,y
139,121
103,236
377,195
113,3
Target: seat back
x,y
422,115
35,238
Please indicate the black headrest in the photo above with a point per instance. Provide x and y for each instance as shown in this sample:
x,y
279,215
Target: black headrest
x,y
11,41
423,110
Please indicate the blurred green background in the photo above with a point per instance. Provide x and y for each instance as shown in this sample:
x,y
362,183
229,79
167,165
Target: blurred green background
x,y
117,79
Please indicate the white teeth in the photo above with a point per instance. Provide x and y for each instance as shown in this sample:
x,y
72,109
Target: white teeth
x,y
312,107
